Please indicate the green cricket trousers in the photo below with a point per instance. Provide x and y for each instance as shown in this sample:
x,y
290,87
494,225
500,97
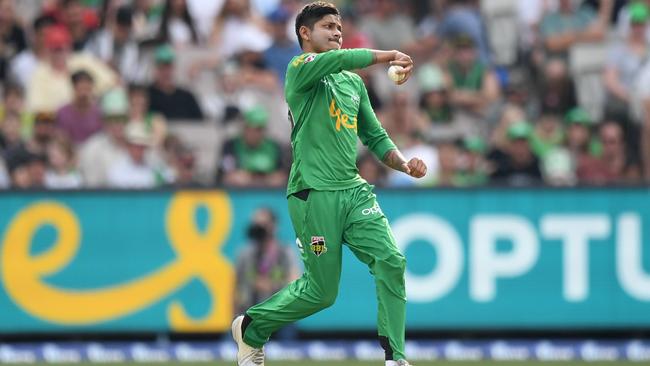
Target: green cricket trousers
x,y
323,221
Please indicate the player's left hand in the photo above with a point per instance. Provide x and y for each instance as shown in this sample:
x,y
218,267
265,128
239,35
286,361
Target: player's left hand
x,y
415,168
405,61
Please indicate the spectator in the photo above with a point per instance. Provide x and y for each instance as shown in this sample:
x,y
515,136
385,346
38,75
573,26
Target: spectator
x,y
80,118
4,175
12,37
116,47
624,63
165,96
134,170
516,165
547,136
253,159
50,87
44,131
23,64
146,20
10,137
475,86
14,103
567,26
80,22
448,164
139,112
578,136
181,161
557,90
435,105
27,170
236,27
265,265
623,22
388,27
614,166
61,172
102,150
177,26
472,170
353,36
463,17
283,49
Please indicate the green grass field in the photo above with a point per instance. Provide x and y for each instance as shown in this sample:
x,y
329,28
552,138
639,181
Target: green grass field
x,y
359,363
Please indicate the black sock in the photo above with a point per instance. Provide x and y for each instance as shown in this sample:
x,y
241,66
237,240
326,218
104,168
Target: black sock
x,y
385,344
244,324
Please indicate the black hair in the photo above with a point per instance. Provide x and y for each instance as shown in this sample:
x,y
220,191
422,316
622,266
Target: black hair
x,y
13,88
163,32
81,75
42,21
137,88
313,12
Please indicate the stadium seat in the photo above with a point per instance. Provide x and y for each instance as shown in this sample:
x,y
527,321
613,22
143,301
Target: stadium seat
x,y
586,63
501,22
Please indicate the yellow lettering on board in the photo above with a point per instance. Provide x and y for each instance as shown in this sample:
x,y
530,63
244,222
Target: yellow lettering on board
x,y
198,256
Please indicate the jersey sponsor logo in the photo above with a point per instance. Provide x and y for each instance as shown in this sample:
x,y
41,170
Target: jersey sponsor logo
x,y
318,245
342,119
372,210
303,59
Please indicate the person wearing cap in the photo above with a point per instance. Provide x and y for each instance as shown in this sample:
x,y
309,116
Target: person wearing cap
x,y
104,148
515,164
475,86
464,17
134,170
473,167
50,87
253,159
579,139
283,49
165,96
623,23
624,63
115,46
82,117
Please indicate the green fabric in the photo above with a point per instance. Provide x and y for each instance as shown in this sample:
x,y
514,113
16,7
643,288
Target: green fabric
x,y
470,179
520,130
542,146
330,108
558,23
258,159
471,80
256,117
639,12
323,222
578,115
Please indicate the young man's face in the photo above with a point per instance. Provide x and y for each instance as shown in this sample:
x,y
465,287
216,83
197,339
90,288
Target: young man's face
x,y
327,34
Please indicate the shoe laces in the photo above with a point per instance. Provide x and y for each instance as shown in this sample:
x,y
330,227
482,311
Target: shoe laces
x,y
258,357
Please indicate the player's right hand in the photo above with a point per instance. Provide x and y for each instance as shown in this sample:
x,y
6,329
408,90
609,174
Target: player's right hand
x,y
415,168
405,61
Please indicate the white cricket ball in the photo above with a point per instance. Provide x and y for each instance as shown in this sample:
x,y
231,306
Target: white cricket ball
x,y
393,75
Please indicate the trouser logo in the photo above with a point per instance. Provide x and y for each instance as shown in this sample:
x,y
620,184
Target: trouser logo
x,y
318,245
372,210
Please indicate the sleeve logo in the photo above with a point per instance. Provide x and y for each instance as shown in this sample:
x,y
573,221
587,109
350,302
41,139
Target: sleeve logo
x,y
318,245
310,58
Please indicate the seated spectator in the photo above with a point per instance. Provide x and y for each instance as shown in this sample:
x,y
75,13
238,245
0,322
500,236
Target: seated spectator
x,y
387,26
26,170
354,37
624,63
12,37
80,118
181,161
253,159
146,20
516,165
402,119
45,130
447,165
103,149
134,170
80,22
237,27
49,87
14,103
579,140
472,169
61,172
557,89
623,23
475,86
139,112
10,136
23,64
115,46
176,25
547,136
614,166
165,96
463,17
569,25
283,49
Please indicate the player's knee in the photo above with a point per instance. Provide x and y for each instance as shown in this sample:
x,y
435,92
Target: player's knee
x,y
328,299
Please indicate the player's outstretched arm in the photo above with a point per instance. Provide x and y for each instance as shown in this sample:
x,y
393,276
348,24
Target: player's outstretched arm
x,y
414,167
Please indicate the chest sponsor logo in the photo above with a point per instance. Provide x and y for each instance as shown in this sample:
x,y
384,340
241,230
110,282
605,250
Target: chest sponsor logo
x,y
342,119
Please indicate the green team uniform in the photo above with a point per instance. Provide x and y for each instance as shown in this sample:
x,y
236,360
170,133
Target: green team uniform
x,y
329,203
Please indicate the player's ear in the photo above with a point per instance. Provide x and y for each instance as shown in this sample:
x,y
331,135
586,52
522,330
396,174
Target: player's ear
x,y
305,33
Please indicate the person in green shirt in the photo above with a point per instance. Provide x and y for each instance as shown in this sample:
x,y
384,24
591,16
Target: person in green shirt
x,y
329,203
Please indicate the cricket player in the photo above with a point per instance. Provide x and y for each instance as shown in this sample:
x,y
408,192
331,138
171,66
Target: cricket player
x,y
329,203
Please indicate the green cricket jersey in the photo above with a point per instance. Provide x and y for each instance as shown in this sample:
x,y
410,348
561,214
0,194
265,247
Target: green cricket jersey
x,y
330,108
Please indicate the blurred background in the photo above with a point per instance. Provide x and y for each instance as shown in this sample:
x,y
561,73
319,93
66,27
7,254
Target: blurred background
x,y
144,152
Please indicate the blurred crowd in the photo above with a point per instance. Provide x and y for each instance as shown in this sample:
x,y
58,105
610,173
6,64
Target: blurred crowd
x,y
154,93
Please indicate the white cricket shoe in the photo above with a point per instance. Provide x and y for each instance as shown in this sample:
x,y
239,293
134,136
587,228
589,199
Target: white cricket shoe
x,y
246,355
403,363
